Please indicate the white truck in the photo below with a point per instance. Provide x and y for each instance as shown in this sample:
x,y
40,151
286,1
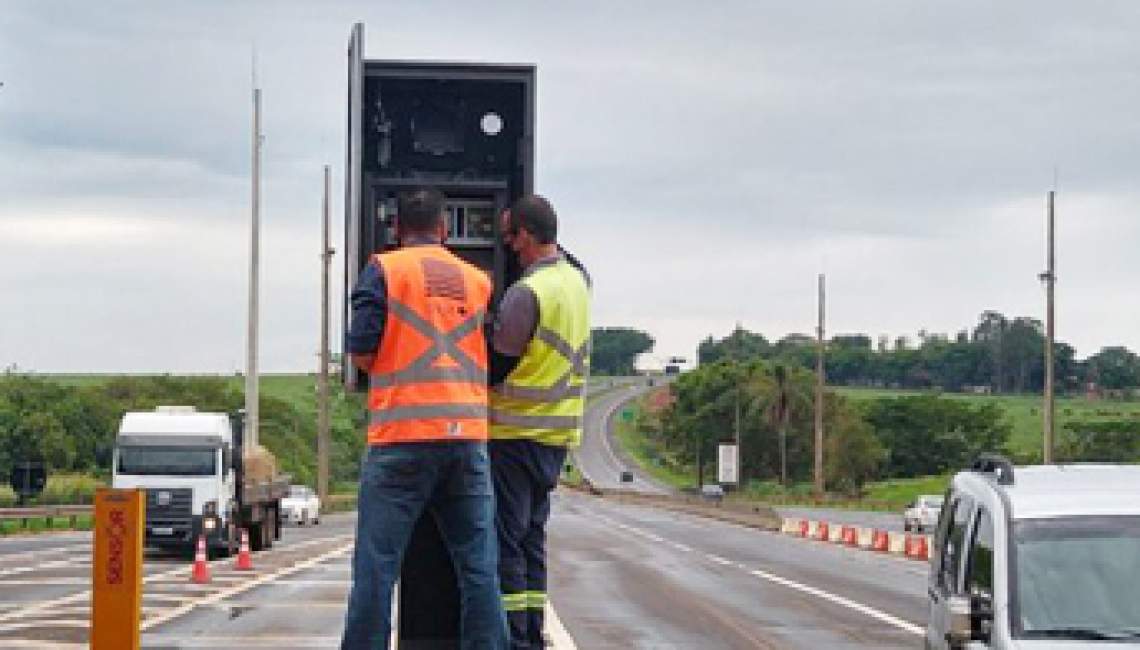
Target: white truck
x,y
199,479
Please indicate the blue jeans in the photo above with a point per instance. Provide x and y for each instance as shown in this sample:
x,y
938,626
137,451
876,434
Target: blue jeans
x,y
452,480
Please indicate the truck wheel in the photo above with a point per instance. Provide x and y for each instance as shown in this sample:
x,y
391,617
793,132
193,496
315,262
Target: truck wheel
x,y
257,537
227,547
267,531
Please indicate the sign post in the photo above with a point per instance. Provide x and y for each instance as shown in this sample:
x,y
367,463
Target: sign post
x,y
116,600
727,467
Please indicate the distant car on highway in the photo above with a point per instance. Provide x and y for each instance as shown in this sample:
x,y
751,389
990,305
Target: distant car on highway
x,y
712,492
301,506
922,514
1036,557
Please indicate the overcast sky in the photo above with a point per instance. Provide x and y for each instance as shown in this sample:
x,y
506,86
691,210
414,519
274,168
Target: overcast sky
x,y
707,161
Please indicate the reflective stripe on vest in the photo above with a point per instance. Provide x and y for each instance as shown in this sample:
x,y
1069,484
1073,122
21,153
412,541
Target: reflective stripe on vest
x,y
421,371
427,412
562,388
535,421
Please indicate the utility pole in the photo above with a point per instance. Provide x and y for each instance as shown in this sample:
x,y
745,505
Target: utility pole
x,y
251,377
1049,277
323,378
738,335
819,482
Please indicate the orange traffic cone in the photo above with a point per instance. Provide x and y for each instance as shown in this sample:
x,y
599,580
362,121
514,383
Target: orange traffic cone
x,y
821,531
244,560
201,570
880,542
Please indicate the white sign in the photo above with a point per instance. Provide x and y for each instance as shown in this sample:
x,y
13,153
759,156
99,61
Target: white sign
x,y
726,464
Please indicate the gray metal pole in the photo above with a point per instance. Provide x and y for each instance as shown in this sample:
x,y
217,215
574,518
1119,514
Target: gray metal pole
x,y
323,377
739,334
736,427
251,377
1050,282
819,481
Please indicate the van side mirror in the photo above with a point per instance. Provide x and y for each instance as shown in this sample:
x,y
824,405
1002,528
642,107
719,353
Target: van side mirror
x,y
971,619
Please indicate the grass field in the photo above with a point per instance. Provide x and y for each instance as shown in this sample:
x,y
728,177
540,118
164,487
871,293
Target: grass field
x,y
1022,412
647,455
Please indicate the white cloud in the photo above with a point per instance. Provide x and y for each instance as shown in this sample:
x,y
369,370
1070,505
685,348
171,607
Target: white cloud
x,y
707,165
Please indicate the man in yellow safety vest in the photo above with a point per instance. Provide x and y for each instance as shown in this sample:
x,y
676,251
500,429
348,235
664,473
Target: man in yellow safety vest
x,y
540,347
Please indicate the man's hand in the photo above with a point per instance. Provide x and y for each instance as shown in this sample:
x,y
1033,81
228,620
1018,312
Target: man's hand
x,y
363,361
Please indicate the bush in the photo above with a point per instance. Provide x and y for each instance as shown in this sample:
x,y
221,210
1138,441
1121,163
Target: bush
x,y
61,490
69,489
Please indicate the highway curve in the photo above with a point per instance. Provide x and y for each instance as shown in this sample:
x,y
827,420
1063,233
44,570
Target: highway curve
x,y
598,459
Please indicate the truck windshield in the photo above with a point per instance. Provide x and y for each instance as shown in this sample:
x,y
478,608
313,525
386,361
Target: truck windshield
x,y
168,461
1078,575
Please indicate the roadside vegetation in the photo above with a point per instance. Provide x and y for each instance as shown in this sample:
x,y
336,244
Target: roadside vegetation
x,y
899,420
70,421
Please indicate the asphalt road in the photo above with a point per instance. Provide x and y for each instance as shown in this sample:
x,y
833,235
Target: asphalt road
x,y
598,458
622,576
294,598
627,576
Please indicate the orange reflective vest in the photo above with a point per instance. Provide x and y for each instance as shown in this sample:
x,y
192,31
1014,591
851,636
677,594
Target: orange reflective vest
x,y
429,377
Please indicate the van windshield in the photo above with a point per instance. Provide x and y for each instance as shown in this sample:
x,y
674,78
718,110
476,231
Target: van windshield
x,y
168,461
1078,576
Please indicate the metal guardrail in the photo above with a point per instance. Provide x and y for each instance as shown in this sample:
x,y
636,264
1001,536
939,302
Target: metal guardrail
x,y
25,515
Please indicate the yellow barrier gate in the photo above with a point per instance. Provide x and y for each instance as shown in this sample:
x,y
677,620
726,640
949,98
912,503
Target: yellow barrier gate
x,y
116,600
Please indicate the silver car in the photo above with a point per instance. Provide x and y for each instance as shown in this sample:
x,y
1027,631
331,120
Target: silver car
x,y
922,514
1037,557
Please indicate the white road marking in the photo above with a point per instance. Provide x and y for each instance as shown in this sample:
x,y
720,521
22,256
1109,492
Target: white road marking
x,y
50,645
560,638
80,551
315,583
54,564
55,623
791,584
38,607
292,604
182,610
46,582
260,641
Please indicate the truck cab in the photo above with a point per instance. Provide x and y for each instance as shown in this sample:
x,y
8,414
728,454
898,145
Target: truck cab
x,y
184,462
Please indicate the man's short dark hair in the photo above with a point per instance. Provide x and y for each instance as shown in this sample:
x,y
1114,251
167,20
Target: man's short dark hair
x,y
420,211
535,215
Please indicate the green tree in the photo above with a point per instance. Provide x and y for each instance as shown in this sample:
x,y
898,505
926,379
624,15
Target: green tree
x,y
614,349
854,451
741,345
1115,368
927,434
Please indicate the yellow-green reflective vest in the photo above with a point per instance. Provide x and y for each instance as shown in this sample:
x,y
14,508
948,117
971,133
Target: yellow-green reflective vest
x,y
543,397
